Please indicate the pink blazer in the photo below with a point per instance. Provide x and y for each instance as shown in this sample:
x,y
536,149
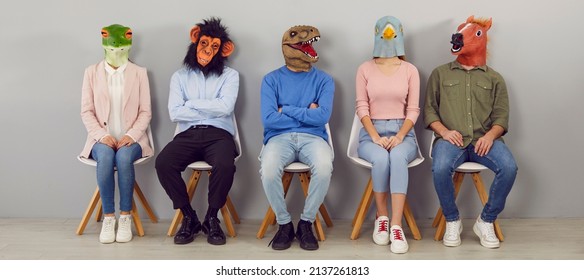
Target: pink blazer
x,y
95,105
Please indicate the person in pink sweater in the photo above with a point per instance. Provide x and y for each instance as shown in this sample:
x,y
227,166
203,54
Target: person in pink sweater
x,y
387,103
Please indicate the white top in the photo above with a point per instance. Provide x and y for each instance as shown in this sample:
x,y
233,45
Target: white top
x,y
115,82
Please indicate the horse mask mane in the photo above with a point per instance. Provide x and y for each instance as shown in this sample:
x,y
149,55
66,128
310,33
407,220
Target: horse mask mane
x,y
469,43
210,46
297,47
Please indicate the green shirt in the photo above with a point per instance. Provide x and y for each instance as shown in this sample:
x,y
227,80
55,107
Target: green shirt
x,y
468,101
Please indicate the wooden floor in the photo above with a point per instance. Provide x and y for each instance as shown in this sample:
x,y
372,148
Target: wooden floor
x,y
55,239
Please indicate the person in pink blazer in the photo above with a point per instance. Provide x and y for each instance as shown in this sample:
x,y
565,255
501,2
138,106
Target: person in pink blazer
x,y
115,109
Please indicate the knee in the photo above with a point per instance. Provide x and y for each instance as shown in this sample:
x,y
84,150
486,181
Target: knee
x,y
322,168
509,168
123,159
271,172
440,168
397,156
162,162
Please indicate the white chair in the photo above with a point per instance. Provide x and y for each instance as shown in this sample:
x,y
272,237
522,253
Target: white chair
x,y
303,172
366,199
228,210
96,198
474,169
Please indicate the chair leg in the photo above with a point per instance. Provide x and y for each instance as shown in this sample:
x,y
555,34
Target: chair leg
x,y
232,211
87,215
409,217
362,209
144,202
136,218
191,187
227,221
478,182
270,216
457,179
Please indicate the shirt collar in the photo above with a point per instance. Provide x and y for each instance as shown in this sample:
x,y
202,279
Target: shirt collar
x,y
455,64
110,70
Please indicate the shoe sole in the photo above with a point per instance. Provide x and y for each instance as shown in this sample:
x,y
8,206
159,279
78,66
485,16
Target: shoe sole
x,y
395,251
382,242
106,241
281,248
123,240
484,243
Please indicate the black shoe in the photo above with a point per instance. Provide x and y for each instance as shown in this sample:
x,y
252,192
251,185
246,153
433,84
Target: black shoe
x,y
283,238
188,228
213,230
305,236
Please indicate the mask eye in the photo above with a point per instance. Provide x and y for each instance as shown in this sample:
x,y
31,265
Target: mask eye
x,y
293,33
104,33
376,30
479,33
129,34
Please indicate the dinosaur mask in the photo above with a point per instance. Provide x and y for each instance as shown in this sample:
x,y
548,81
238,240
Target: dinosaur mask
x,y
297,47
116,41
389,38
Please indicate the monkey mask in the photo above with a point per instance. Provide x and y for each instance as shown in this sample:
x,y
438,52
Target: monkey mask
x,y
116,41
389,38
297,47
210,47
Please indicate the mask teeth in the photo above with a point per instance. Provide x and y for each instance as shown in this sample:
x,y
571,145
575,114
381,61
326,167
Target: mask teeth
x,y
314,39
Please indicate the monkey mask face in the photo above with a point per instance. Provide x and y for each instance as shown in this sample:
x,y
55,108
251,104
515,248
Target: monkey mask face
x,y
116,41
210,47
389,38
297,47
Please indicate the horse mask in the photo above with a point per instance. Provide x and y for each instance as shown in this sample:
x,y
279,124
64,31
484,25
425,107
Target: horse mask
x,y
297,47
116,41
469,43
389,38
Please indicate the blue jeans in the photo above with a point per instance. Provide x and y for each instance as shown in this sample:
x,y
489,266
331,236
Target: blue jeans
x,y
389,168
108,160
284,149
447,157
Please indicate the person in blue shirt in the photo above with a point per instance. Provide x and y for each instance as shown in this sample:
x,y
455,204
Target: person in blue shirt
x,y
296,104
201,101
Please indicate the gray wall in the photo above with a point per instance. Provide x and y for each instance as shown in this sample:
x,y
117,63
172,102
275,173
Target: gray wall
x,y
45,45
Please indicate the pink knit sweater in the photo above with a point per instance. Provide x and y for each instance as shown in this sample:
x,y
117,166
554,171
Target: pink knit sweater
x,y
380,96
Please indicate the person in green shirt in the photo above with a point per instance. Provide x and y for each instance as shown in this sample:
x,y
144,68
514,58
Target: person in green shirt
x,y
467,107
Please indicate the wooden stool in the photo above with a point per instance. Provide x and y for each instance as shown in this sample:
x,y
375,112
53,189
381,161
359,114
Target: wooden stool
x,y
474,169
96,202
366,199
227,211
303,172
96,198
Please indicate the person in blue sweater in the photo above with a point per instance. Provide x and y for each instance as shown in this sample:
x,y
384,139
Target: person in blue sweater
x,y
296,104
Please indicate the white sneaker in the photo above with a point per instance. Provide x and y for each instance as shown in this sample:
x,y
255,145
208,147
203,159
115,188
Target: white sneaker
x,y
381,232
399,244
486,232
452,235
124,229
108,230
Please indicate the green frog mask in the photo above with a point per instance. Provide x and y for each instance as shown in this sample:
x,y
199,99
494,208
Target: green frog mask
x,y
116,41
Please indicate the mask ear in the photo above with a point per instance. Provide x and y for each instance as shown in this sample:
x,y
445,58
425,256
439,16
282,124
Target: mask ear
x,y
228,48
489,23
195,32
470,19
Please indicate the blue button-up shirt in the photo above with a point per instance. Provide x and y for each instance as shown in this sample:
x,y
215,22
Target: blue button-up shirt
x,y
198,100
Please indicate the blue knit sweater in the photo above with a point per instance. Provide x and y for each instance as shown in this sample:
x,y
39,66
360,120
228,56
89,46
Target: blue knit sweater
x,y
294,92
